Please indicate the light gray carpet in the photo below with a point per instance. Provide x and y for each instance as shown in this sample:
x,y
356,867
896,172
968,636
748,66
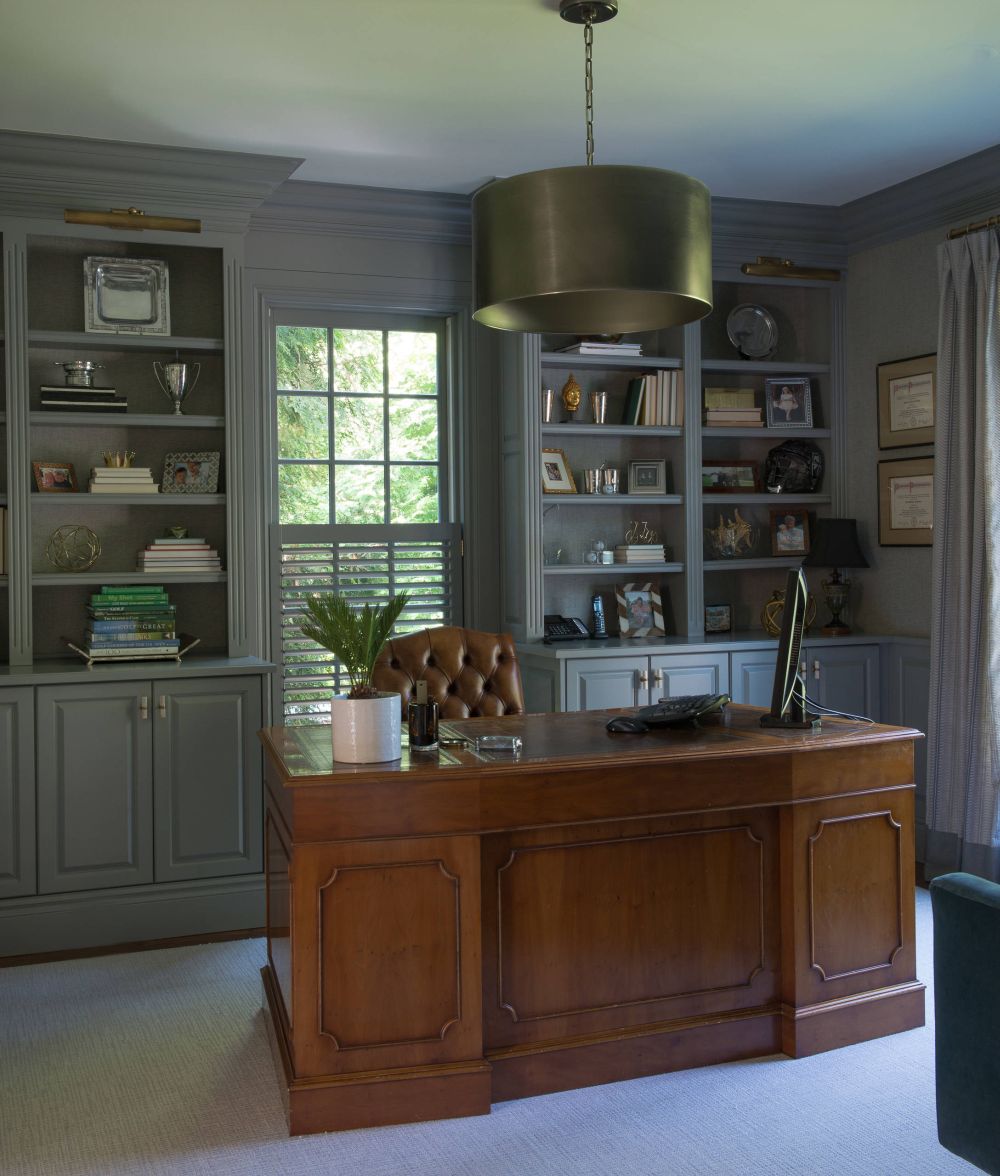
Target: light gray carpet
x,y
157,1062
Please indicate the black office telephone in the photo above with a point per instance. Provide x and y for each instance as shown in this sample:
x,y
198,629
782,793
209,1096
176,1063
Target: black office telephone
x,y
559,628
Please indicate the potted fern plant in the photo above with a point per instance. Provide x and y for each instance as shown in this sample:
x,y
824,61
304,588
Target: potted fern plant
x,y
365,722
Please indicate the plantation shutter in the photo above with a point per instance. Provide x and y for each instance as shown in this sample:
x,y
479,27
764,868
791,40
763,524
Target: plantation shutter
x,y
367,564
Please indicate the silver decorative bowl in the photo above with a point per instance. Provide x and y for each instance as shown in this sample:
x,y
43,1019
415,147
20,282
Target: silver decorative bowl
x,y
79,372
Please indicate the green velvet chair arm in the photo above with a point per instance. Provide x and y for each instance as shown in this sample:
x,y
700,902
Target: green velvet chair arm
x,y
967,1016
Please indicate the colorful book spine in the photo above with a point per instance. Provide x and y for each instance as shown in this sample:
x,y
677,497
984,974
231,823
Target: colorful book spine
x,y
127,649
131,625
122,598
129,637
131,589
144,610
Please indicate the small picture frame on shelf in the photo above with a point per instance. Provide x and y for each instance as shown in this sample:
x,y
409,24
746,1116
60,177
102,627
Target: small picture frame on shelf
x,y
730,477
647,477
190,473
557,477
718,618
906,502
788,402
54,477
640,610
126,295
789,530
906,400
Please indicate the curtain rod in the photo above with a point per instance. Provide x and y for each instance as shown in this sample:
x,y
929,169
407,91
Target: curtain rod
x,y
975,227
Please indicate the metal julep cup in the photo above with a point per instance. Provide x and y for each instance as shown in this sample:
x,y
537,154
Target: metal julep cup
x,y
599,406
592,481
173,381
609,481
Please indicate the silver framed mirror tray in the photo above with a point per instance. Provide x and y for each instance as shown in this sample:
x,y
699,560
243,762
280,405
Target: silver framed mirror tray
x,y
752,331
126,295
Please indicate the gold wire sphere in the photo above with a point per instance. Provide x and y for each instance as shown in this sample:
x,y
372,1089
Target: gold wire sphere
x,y
73,548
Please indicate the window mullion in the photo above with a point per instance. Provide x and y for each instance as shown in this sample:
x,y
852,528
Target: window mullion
x,y
387,483
331,432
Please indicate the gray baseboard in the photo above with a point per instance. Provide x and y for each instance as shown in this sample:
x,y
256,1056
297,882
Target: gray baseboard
x,y
130,914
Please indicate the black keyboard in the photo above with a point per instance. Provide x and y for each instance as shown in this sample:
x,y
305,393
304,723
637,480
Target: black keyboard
x,y
684,709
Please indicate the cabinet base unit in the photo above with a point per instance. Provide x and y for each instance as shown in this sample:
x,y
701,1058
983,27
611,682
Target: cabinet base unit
x,y
143,797
130,914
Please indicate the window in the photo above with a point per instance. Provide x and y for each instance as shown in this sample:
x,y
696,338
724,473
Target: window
x,y
362,484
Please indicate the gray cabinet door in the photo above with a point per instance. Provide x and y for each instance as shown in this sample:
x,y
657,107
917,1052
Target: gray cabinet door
x,y
597,683
208,778
697,673
17,793
844,678
751,679
95,822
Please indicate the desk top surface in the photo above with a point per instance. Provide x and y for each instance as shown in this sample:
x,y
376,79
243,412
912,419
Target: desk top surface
x,y
564,741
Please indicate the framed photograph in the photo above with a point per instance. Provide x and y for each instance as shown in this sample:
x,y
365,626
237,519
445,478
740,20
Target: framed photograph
x,y
718,618
647,477
557,477
788,401
906,389
730,477
906,502
640,610
54,477
190,473
126,295
789,531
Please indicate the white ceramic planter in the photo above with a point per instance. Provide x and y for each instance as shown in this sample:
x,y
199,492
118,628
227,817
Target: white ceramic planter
x,y
366,730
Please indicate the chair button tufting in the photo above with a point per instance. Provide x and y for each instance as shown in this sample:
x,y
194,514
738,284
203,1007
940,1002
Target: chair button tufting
x,y
452,688
394,663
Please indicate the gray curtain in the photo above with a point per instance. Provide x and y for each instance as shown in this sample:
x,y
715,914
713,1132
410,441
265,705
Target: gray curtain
x,y
963,752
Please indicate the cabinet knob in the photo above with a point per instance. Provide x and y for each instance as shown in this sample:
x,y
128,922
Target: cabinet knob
x,y
657,677
643,678
143,707
816,668
161,706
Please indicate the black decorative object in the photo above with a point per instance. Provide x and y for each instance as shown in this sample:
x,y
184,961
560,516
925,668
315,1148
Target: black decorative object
x,y
794,467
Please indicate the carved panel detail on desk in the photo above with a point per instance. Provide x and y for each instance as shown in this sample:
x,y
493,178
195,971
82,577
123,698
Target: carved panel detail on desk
x,y
636,950
413,993
861,932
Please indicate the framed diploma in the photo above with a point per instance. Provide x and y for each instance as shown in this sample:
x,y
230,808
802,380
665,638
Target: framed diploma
x,y
906,390
906,502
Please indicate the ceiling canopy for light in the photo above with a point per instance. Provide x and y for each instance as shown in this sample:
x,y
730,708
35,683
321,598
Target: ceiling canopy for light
x,y
592,249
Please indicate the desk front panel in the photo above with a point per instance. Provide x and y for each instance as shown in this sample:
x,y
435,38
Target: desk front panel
x,y
592,928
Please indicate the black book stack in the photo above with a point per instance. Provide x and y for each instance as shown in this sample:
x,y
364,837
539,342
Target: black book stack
x,y
63,398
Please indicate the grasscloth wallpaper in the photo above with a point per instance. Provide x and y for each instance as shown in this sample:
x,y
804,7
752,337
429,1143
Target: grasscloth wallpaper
x,y
892,307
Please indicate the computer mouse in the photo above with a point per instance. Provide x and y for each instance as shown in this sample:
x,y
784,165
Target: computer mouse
x,y
624,725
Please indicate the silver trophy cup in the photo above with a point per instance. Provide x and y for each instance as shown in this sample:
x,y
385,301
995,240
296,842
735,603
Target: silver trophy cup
x,y
173,381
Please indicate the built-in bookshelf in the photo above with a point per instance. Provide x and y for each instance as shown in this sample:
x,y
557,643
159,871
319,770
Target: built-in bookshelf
x,y
550,536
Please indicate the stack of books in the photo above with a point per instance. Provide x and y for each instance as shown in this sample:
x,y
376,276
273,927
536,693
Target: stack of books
x,y
130,620
731,407
655,399
60,398
596,347
122,480
179,555
640,553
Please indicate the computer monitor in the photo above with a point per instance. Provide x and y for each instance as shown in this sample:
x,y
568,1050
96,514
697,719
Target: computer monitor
x,y
788,695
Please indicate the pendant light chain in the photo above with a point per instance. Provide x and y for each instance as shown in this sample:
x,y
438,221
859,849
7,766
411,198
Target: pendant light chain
x,y
588,73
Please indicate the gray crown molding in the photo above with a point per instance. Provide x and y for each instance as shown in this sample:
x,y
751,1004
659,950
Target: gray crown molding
x,y
41,175
947,197
742,230
345,210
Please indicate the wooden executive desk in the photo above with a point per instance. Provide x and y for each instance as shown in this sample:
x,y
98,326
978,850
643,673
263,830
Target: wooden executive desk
x,y
445,932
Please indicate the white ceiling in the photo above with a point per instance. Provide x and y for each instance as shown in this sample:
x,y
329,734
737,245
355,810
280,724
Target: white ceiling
x,y
775,99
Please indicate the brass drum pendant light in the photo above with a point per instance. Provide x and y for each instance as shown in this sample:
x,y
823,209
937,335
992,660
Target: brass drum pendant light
x,y
593,249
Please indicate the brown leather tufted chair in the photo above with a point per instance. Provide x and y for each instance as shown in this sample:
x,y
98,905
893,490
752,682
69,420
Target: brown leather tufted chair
x,y
467,672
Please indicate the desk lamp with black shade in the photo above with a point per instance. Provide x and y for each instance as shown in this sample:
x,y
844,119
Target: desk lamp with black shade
x,y
834,544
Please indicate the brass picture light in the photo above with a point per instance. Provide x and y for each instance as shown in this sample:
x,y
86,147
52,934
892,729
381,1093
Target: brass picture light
x,y
130,218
